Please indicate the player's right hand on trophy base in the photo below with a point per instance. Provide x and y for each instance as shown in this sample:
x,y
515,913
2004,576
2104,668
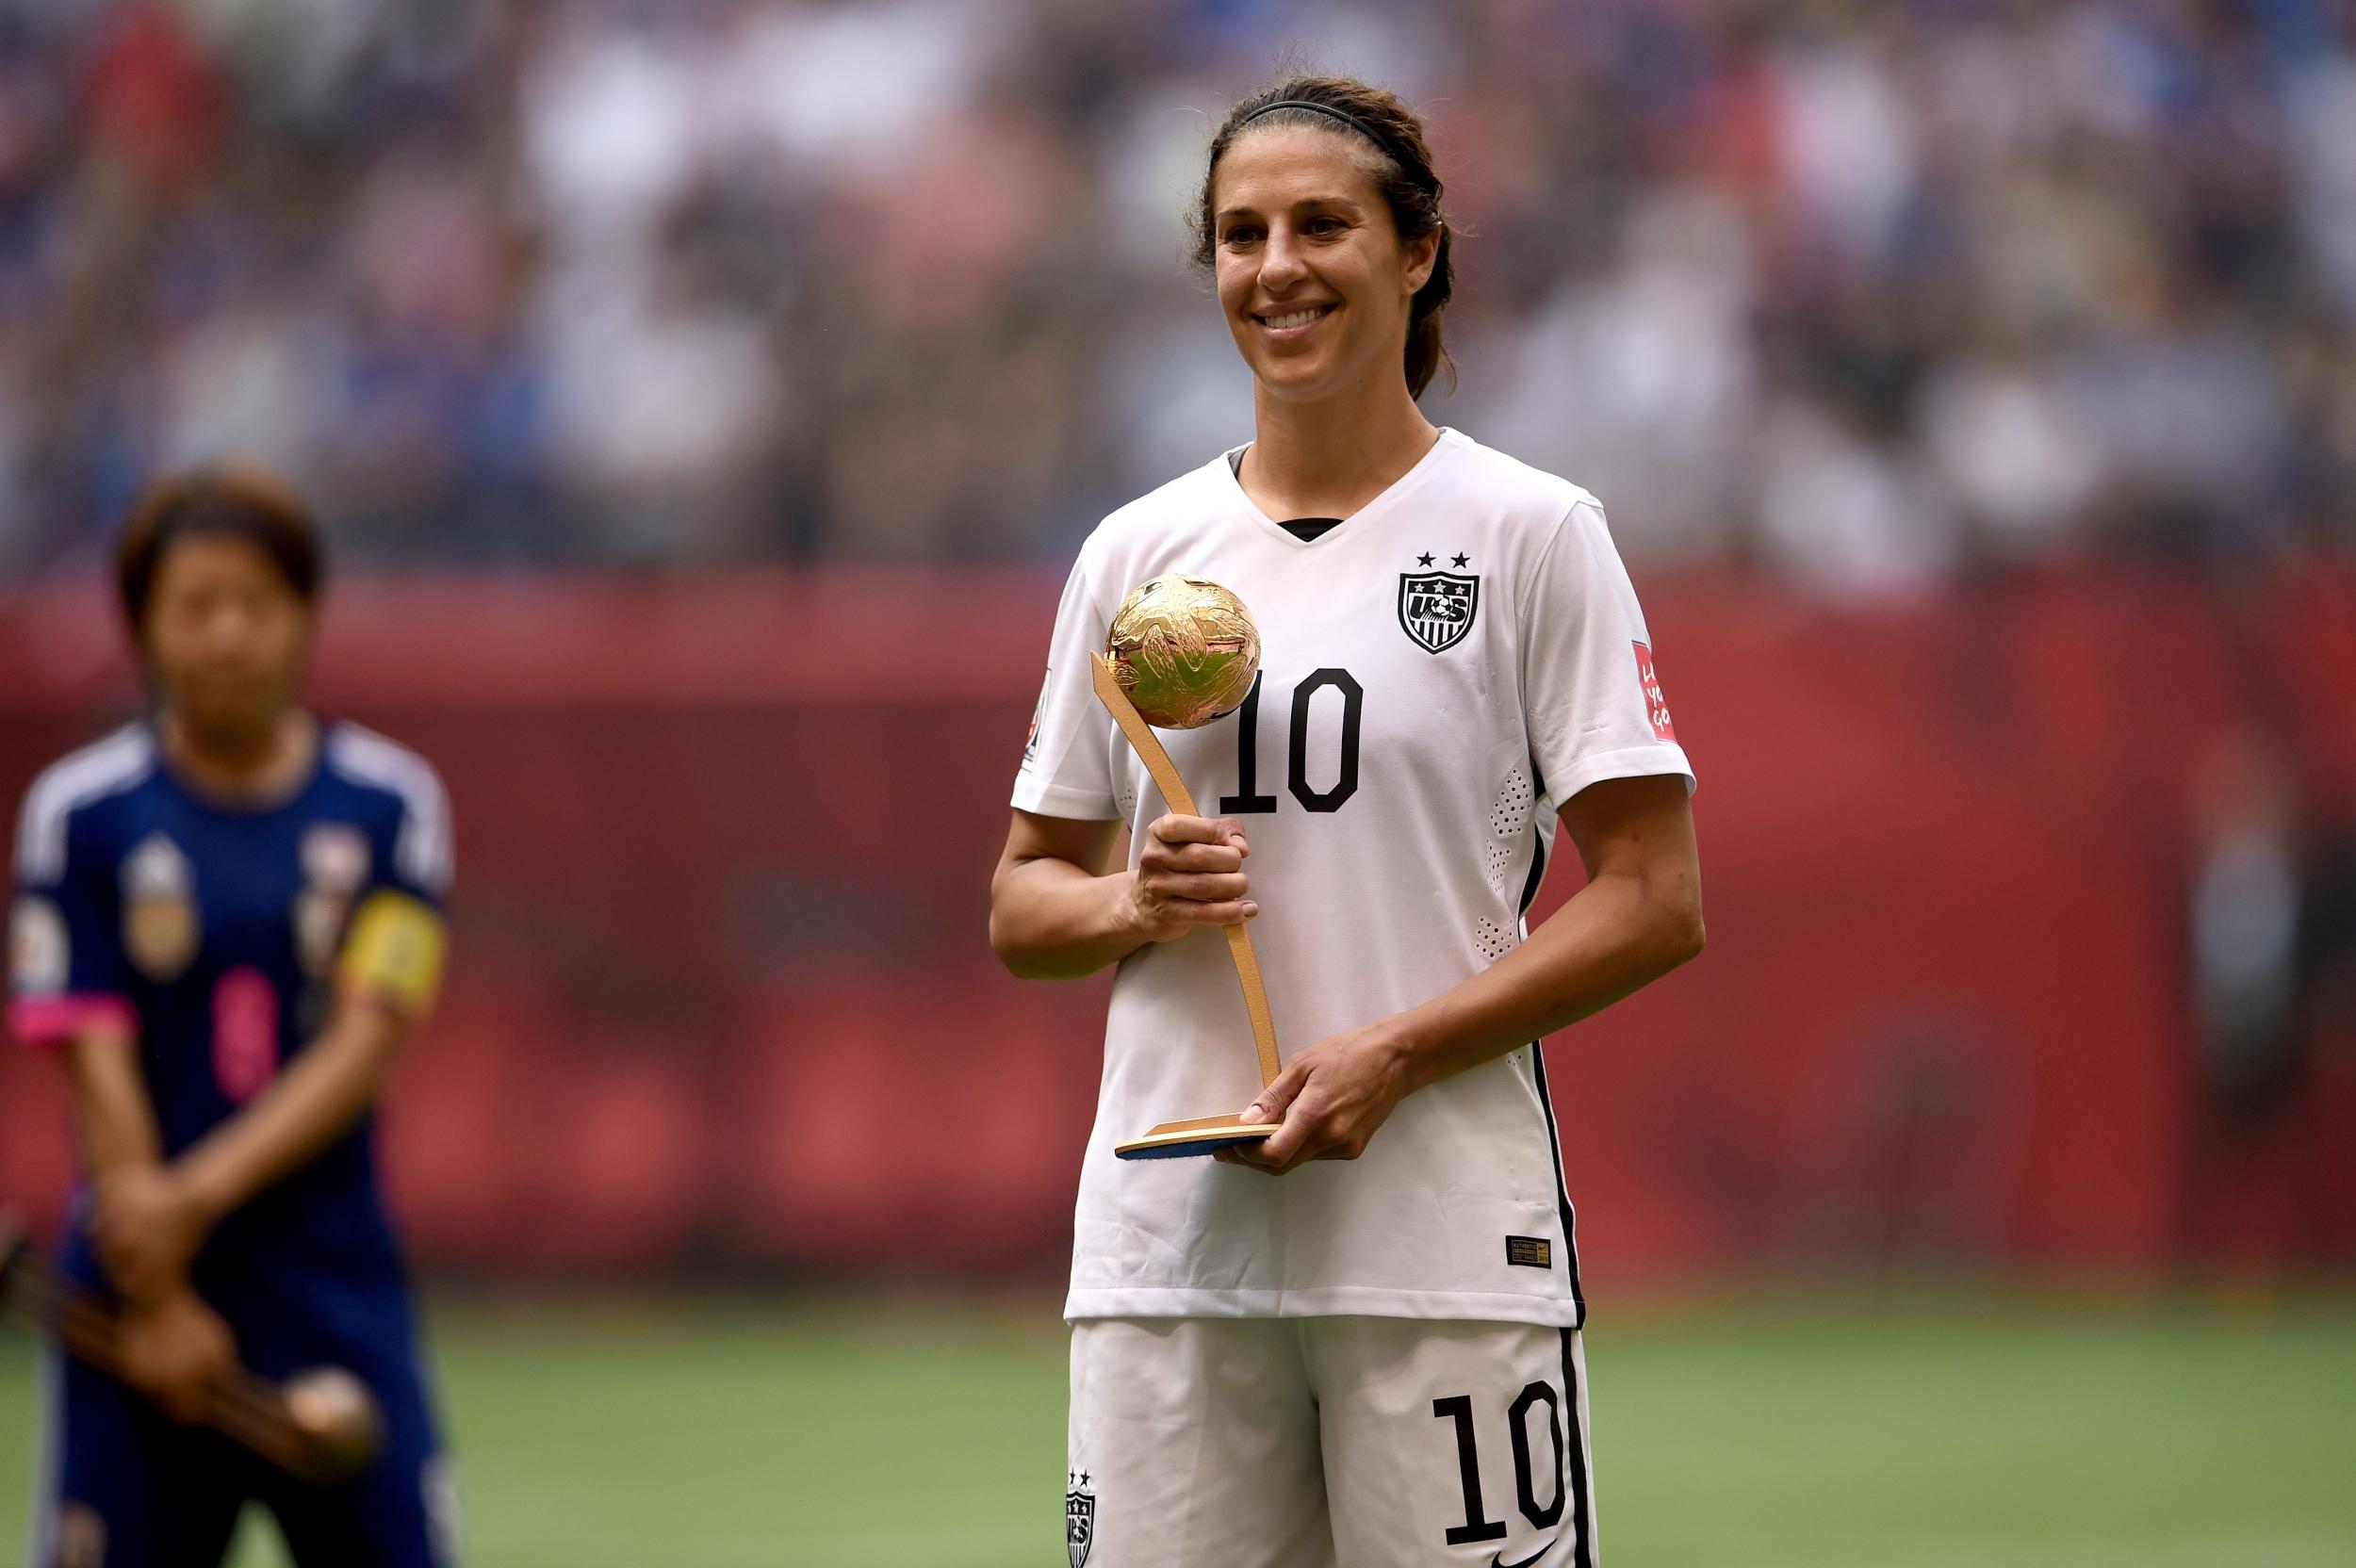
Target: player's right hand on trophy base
x,y
1190,874
177,1351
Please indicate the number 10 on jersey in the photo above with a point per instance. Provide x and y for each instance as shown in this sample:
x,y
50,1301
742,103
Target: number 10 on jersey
x,y
1247,797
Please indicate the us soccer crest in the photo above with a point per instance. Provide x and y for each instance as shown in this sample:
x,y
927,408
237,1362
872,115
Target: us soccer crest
x,y
1436,609
159,925
1079,1520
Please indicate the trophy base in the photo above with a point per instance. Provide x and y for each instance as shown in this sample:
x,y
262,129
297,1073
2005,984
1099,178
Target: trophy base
x,y
1180,1140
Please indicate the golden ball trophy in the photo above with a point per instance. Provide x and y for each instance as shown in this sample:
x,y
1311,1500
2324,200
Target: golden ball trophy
x,y
1183,652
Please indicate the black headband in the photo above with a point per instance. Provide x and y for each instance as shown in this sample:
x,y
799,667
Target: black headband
x,y
1344,115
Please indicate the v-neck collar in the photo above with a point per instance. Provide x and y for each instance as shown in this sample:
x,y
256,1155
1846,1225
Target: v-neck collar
x,y
1448,438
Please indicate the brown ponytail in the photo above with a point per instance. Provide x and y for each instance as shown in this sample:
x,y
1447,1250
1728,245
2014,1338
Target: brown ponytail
x,y
1408,181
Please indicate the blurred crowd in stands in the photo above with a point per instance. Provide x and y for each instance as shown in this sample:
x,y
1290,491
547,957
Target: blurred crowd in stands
x,y
1869,297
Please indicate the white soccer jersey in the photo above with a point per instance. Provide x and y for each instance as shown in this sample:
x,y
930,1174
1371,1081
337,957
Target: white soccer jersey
x,y
1437,674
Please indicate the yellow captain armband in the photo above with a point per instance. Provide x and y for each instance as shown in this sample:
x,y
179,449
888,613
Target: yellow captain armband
x,y
395,951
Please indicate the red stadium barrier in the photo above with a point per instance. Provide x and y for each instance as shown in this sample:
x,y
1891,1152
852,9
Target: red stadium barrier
x,y
722,995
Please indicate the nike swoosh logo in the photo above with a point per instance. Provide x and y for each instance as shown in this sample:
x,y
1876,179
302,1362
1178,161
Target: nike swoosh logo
x,y
1496,1558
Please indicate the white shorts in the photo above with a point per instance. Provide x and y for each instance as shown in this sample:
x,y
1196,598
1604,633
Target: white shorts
x,y
1318,1441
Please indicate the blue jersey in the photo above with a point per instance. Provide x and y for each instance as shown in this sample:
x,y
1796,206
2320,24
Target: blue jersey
x,y
212,932
216,934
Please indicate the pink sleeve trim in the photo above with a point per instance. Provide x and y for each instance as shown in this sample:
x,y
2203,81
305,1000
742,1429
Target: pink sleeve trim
x,y
50,1019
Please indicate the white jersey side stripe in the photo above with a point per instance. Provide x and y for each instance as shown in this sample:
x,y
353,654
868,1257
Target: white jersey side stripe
x,y
1581,1470
105,768
422,853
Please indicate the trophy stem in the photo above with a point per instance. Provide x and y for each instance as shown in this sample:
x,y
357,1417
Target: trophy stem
x,y
1174,788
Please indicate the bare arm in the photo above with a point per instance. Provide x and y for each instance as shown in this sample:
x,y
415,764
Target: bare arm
x,y
150,1220
1639,917
313,1103
112,1114
173,1344
1057,912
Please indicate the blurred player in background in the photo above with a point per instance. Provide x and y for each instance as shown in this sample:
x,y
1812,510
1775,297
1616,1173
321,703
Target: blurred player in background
x,y
1370,1363
228,922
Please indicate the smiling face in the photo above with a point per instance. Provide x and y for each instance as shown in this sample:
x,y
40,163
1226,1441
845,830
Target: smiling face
x,y
1312,274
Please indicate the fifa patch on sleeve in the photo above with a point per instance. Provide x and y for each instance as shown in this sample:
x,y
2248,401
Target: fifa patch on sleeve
x,y
1030,741
1656,706
1529,1252
396,950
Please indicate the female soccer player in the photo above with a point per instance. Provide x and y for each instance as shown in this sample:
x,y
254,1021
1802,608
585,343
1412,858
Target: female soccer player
x,y
228,920
1284,1359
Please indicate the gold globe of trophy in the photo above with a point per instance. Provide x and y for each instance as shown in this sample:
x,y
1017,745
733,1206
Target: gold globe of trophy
x,y
1183,652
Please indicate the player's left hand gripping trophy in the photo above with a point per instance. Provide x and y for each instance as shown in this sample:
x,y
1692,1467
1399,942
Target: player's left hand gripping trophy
x,y
1181,653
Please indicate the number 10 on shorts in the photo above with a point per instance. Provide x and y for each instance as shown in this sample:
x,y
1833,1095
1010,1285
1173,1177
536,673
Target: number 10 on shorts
x,y
1478,1525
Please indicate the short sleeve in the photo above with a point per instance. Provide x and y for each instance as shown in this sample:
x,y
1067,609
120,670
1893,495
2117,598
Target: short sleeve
x,y
1591,688
423,858
410,844
66,969
1067,758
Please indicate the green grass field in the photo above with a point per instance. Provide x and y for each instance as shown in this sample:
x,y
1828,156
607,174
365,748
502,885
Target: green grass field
x,y
1795,1433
